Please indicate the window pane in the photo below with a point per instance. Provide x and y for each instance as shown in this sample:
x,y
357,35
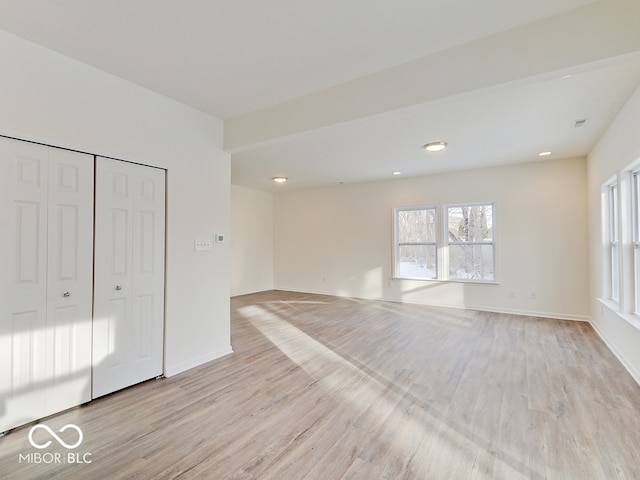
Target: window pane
x,y
471,262
636,206
417,226
613,241
615,273
636,252
417,261
635,187
613,213
470,223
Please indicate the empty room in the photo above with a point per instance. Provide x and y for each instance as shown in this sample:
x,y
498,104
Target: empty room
x,y
320,240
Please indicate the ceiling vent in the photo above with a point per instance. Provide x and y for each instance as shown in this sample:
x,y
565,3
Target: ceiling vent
x,y
579,123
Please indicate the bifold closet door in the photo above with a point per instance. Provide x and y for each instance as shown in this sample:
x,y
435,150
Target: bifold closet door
x,y
46,265
128,325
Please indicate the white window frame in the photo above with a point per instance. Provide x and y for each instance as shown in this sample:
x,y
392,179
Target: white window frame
x,y
398,244
621,243
442,243
449,243
635,225
613,241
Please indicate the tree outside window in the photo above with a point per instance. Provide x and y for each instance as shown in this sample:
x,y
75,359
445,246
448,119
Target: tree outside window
x,y
452,243
416,242
471,242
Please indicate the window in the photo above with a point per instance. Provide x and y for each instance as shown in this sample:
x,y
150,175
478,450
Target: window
x,y
613,242
463,250
416,242
470,242
635,195
621,242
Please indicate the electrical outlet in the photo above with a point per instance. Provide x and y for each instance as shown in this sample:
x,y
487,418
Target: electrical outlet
x,y
533,296
201,245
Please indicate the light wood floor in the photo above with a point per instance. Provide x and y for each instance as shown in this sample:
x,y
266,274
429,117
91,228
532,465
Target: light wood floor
x,y
329,388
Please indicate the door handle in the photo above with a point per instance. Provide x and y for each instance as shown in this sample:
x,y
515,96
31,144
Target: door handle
x,y
66,294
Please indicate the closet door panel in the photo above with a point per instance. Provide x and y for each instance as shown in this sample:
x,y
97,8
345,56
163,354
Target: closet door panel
x,y
46,231
129,275
148,272
70,278
115,335
112,282
23,282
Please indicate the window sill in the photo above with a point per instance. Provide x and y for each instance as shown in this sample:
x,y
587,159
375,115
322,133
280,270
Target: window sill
x,y
614,307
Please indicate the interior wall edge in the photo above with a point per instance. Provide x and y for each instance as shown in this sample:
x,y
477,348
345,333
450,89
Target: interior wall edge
x,y
251,292
171,370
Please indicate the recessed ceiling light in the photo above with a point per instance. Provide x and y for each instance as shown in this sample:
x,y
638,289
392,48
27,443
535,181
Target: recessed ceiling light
x,y
397,173
544,154
435,146
280,179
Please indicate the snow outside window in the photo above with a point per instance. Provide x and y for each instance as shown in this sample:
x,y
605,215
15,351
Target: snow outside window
x,y
416,251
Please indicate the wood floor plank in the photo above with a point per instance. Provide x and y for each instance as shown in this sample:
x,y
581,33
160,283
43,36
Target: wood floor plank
x,y
321,387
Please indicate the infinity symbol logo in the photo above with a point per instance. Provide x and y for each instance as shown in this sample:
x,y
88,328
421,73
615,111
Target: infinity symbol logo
x,y
59,440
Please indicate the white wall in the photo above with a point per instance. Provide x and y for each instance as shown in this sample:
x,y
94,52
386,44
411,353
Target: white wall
x,y
618,147
49,98
338,240
251,240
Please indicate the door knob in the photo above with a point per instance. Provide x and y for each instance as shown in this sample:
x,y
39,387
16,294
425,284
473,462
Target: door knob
x,y
118,287
66,294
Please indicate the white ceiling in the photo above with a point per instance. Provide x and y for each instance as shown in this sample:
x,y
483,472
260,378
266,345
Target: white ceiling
x,y
346,90
493,127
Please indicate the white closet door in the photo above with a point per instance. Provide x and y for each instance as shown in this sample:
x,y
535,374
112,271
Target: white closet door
x,y
148,273
128,332
23,282
70,278
44,235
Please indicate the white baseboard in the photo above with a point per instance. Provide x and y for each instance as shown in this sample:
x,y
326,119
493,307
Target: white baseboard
x,y
627,365
250,292
527,313
171,370
532,313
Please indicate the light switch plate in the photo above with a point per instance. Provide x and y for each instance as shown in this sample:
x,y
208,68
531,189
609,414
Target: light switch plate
x,y
202,244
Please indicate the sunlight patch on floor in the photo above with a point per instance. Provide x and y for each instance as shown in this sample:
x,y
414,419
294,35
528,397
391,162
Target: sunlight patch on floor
x,y
410,430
